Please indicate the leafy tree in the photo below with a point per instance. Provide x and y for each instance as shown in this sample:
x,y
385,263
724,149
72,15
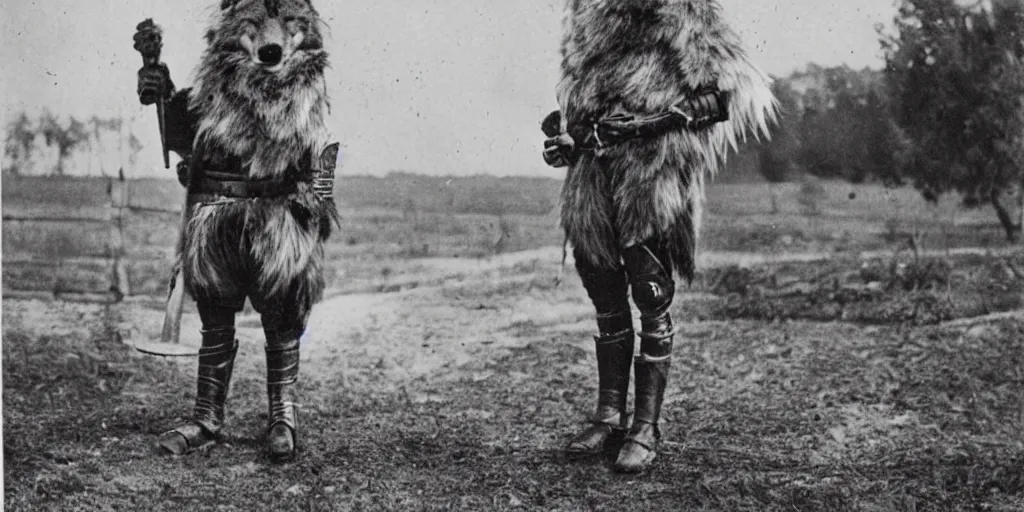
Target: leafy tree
x,y
66,138
957,84
134,148
836,124
18,144
845,120
777,157
97,126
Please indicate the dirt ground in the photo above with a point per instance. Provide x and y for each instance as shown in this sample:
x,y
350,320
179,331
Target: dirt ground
x,y
822,364
452,386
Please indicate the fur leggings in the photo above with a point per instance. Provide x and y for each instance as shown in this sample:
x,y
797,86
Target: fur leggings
x,y
269,250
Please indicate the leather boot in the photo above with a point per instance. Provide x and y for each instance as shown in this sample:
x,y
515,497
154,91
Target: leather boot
x,y
641,444
282,374
609,421
649,268
609,292
216,362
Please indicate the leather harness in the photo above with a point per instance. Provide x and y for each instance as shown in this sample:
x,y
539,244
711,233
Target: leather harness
x,y
231,184
696,112
230,178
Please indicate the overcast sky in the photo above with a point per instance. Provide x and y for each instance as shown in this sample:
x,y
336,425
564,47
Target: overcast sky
x,y
431,86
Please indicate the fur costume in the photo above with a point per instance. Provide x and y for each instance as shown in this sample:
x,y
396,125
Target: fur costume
x,y
642,57
270,122
253,128
632,210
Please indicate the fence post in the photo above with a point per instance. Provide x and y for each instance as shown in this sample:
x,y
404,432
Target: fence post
x,y
119,195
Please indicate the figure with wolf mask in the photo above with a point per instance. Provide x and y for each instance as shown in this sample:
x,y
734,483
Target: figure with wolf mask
x,y
260,178
653,94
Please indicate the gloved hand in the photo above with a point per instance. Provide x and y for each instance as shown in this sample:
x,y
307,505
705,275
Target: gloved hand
x,y
184,171
154,77
154,83
559,147
558,150
552,124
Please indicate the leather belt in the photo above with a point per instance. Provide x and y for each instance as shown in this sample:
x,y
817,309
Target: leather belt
x,y
695,113
230,181
232,185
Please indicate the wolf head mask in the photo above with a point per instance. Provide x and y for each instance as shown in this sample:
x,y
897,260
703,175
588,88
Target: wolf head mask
x,y
269,33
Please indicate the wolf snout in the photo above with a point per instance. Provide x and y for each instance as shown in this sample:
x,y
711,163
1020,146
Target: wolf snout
x,y
270,54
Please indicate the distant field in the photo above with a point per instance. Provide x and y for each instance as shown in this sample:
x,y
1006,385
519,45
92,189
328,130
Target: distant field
x,y
530,196
481,194
449,363
405,216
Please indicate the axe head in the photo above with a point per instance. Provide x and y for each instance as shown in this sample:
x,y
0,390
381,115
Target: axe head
x,y
166,349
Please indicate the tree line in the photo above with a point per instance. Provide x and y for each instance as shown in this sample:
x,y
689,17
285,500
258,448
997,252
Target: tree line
x,y
945,114
25,137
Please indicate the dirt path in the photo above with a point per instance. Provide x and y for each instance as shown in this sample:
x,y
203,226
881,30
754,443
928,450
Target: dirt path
x,y
442,316
705,259
392,338
454,392
451,312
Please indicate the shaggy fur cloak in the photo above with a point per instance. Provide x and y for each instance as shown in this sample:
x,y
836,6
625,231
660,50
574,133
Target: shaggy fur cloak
x,y
273,124
640,57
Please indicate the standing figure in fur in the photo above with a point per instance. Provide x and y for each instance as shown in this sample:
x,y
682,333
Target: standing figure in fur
x,y
260,177
653,94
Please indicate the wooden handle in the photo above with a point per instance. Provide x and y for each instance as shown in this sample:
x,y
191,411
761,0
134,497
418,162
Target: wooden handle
x,y
171,332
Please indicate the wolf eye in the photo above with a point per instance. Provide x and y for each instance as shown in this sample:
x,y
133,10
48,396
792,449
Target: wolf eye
x,y
248,28
294,25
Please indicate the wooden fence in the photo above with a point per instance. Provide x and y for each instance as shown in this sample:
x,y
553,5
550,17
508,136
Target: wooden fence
x,y
44,269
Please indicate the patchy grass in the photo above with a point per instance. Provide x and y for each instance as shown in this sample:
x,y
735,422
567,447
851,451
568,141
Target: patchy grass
x,y
448,374
897,290
793,416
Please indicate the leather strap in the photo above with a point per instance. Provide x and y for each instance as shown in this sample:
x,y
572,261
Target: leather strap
x,y
243,189
694,113
232,181
647,438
